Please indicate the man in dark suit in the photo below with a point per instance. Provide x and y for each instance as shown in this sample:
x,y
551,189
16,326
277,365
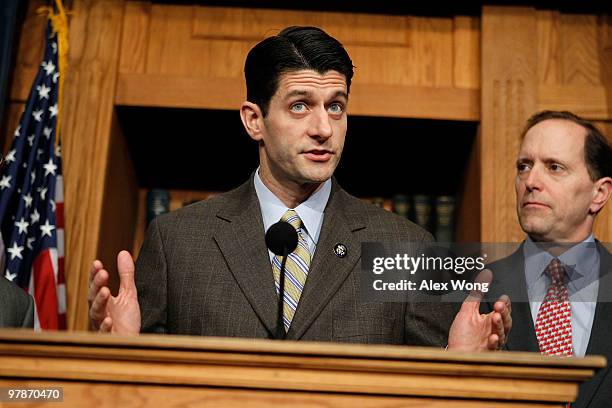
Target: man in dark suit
x,y
205,269
564,178
16,306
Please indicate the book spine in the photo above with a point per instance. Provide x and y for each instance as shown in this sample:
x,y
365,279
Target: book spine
x,y
402,205
422,211
158,202
445,217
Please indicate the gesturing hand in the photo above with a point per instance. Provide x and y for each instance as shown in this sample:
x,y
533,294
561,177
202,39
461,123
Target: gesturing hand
x,y
116,314
472,331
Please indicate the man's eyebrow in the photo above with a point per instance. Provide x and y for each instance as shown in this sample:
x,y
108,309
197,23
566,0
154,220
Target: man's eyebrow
x,y
307,94
341,94
297,92
548,160
554,160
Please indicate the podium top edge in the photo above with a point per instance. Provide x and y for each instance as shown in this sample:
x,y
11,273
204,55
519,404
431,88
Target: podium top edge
x,y
294,348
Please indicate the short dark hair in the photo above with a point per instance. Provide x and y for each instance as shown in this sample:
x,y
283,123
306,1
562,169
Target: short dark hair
x,y
293,49
597,149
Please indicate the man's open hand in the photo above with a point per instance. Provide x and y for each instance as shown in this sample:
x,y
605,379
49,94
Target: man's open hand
x,y
116,314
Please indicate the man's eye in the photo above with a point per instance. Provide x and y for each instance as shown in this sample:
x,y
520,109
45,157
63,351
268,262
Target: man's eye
x,y
556,167
335,108
298,107
522,167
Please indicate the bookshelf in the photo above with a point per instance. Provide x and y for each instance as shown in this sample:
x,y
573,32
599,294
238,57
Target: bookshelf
x,y
195,152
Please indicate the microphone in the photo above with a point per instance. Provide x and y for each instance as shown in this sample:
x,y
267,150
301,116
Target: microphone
x,y
281,239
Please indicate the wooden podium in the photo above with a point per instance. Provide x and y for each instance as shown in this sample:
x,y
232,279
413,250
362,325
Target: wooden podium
x,y
165,371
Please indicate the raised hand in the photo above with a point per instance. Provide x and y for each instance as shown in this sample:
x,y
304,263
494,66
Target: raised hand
x,y
116,314
473,331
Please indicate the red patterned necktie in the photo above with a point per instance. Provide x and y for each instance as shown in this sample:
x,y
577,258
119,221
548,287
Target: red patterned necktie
x,y
554,322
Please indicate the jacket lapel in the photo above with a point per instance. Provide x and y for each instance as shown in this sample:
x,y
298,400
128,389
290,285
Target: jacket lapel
x,y
509,277
241,242
328,271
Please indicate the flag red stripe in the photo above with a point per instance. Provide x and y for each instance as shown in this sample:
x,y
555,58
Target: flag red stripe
x,y
59,215
60,273
45,294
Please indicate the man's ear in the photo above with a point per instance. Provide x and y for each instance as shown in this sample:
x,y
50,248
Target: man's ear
x,y
601,193
252,120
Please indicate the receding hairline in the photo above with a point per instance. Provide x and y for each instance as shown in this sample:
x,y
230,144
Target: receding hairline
x,y
585,130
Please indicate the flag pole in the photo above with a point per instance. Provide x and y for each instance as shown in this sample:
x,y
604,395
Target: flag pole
x,y
59,22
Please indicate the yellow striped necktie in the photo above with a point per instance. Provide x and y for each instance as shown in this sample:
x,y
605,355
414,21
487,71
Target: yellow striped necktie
x,y
296,270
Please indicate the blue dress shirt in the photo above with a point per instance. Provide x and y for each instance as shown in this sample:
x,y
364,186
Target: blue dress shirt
x,y
310,211
581,263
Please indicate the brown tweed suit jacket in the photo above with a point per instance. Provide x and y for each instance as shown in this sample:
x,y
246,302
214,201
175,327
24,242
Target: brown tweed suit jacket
x,y
205,270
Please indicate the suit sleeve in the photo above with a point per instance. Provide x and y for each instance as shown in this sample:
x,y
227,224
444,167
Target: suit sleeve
x,y
151,282
427,320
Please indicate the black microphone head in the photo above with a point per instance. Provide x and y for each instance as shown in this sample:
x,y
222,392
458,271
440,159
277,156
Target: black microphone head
x,y
281,237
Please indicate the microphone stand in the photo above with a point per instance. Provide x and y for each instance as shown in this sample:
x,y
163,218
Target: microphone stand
x,y
281,334
281,240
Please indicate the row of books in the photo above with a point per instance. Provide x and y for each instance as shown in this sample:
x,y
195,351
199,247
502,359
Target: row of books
x,y
434,213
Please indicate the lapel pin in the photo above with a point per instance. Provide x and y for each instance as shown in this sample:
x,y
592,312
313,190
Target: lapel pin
x,y
340,250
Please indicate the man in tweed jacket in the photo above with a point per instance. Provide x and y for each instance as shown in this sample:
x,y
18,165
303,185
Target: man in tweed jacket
x,y
205,269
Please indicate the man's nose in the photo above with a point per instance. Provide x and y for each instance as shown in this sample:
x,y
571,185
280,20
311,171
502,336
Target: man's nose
x,y
320,124
533,179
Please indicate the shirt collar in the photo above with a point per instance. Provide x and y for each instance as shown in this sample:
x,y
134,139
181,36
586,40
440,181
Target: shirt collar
x,y
580,260
310,211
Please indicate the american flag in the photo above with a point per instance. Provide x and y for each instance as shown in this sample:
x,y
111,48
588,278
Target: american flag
x,y
32,200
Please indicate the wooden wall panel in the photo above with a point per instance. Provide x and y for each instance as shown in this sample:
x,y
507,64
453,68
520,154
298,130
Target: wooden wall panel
x,y
575,63
550,67
205,45
254,24
590,102
429,60
580,56
466,52
568,48
509,97
190,41
134,38
197,42
88,107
